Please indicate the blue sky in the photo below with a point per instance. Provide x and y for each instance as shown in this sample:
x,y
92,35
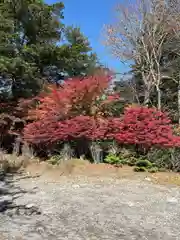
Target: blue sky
x,y
90,16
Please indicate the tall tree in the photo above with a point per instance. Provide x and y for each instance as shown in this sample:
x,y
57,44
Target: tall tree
x,y
35,48
140,36
171,55
29,31
76,54
32,47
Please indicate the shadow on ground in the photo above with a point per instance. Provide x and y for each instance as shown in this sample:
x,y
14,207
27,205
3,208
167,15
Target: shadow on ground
x,y
88,208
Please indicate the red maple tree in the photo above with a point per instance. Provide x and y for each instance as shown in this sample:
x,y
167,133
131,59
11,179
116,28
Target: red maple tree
x,y
75,110
74,97
146,127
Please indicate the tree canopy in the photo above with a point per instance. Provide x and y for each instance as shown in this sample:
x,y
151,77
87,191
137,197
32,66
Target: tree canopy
x,y
146,33
36,46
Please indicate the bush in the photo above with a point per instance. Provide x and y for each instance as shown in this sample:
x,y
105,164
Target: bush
x,y
144,163
153,170
162,170
55,160
72,165
123,161
165,158
127,152
160,157
127,157
132,161
112,159
153,165
145,127
12,162
140,169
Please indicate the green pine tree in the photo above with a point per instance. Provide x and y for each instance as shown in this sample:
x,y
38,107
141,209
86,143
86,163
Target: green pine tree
x,y
32,47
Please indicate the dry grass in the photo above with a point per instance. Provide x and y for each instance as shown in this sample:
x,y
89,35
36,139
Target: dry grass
x,y
12,162
166,178
77,167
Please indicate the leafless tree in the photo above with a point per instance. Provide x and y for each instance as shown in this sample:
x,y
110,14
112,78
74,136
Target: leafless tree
x,y
172,47
138,36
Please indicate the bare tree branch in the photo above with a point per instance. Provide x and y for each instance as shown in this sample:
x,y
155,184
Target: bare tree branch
x,y
139,35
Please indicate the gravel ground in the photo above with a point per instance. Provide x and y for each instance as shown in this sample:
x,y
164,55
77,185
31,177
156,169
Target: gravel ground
x,y
91,209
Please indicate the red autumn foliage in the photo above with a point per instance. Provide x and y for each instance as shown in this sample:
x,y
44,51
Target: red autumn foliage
x,y
46,132
113,97
75,110
139,126
75,97
146,127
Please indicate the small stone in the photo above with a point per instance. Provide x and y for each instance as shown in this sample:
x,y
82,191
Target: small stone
x,y
31,209
4,202
30,205
130,204
2,174
75,186
172,200
6,199
21,211
28,212
2,184
3,188
9,213
148,179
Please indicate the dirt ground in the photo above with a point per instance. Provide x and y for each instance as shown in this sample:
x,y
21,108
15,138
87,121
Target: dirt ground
x,y
94,202
83,168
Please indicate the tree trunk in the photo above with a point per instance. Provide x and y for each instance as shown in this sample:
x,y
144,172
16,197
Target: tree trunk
x,y
179,103
97,153
146,97
158,98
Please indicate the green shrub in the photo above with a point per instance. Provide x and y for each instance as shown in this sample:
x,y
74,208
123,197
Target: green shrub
x,y
160,157
165,158
144,163
153,165
127,156
127,153
55,160
123,161
132,161
153,170
140,169
112,159
131,164
162,170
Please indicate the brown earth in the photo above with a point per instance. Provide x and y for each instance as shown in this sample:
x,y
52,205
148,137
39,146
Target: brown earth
x,y
82,201
84,168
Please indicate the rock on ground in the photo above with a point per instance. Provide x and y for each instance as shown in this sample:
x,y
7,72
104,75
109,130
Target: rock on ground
x,y
91,209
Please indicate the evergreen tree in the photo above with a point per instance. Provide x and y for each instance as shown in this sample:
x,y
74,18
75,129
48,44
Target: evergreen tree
x,y
81,60
32,50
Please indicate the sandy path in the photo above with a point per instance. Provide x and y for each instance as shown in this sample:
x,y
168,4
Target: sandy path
x,y
91,209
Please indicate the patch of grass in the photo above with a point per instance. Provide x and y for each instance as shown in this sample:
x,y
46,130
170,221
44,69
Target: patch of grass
x,y
153,170
112,159
140,169
55,160
144,163
166,178
12,162
77,167
162,170
72,165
